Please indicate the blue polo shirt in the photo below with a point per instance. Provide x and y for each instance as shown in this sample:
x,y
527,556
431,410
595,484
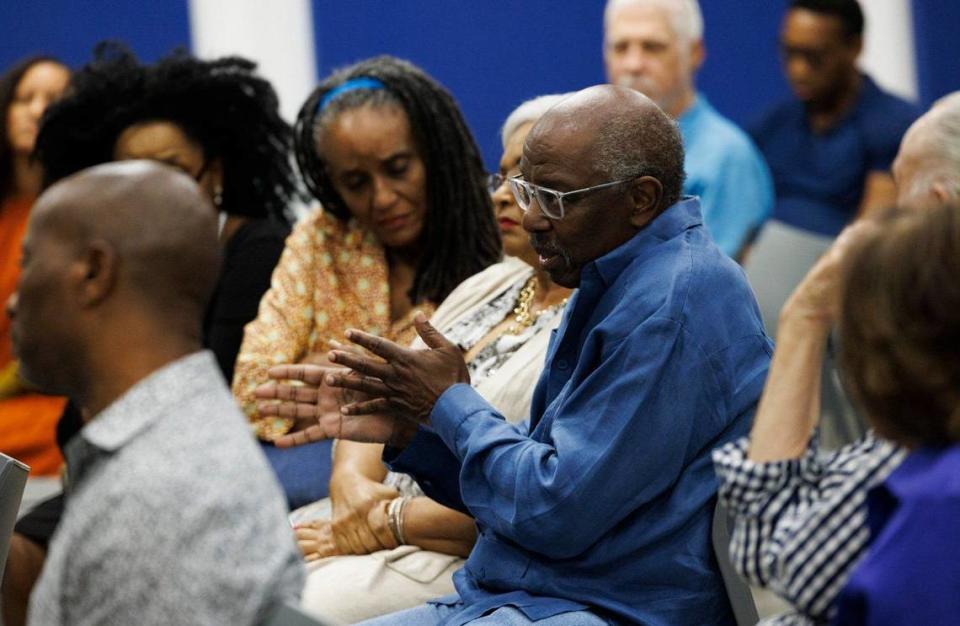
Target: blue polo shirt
x,y
604,499
911,572
819,177
726,171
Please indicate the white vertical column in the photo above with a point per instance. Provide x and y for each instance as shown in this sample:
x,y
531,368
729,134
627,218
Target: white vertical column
x,y
889,55
278,35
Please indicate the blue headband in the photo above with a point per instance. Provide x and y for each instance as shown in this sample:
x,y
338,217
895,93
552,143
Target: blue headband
x,y
362,82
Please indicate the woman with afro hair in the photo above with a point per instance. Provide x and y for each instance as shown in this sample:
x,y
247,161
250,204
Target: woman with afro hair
x,y
216,120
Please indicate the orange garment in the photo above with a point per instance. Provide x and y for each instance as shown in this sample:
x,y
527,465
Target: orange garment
x,y
28,421
332,276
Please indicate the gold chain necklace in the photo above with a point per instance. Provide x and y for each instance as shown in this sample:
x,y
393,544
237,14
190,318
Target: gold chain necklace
x,y
523,318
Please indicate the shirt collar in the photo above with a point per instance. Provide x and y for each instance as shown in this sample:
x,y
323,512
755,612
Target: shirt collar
x,y
694,112
673,221
868,88
148,401
926,471
868,93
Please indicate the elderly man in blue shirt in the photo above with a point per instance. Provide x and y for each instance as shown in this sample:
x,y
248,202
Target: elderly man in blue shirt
x,y
656,47
597,510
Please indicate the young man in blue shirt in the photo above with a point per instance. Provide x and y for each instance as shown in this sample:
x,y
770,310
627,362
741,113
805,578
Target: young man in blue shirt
x,y
600,507
831,147
656,47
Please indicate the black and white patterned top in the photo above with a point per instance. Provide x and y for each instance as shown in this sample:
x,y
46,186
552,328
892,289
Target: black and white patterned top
x,y
801,524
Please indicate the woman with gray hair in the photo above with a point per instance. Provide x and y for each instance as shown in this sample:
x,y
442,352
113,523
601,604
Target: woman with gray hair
x,y
411,545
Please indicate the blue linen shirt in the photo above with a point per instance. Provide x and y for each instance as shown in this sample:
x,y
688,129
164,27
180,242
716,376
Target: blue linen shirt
x,y
727,172
911,573
819,177
604,500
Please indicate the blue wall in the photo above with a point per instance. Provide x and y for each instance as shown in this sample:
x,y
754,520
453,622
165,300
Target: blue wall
x,y
494,54
938,49
491,54
68,29
741,75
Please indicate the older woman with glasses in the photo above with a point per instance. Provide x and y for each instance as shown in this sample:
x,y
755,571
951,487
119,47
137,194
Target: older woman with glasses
x,y
389,547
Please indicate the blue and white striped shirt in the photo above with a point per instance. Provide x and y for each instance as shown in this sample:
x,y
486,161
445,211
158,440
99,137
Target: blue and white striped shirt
x,y
801,524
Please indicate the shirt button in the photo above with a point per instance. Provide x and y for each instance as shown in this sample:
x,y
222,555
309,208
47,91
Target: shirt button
x,y
563,365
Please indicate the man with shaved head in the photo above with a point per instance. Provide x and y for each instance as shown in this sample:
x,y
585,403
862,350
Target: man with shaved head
x,y
173,516
599,509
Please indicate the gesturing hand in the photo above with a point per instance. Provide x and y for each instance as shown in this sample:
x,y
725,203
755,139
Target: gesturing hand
x,y
816,299
407,382
307,403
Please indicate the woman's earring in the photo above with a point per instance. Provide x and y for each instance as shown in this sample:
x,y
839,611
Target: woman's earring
x,y
218,196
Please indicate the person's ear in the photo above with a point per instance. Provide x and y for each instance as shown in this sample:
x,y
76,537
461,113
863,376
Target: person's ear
x,y
645,195
216,171
855,46
94,273
214,182
698,54
942,193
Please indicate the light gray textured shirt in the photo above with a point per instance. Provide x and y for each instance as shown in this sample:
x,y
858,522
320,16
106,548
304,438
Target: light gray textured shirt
x,y
173,515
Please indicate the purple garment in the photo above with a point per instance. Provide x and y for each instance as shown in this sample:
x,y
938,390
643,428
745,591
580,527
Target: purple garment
x,y
911,574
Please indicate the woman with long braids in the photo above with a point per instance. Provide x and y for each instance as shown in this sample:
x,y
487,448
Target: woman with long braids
x,y
405,218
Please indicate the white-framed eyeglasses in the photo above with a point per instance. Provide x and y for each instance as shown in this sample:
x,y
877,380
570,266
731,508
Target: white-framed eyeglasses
x,y
549,200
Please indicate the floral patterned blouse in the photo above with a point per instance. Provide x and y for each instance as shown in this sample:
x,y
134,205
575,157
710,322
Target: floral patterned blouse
x,y
332,276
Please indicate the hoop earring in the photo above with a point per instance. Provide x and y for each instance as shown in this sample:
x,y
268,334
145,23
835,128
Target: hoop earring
x,y
218,196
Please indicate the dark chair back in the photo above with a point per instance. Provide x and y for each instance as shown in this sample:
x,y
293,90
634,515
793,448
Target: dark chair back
x,y
738,591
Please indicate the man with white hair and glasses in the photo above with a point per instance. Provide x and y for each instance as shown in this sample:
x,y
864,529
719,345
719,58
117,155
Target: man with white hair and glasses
x,y
656,47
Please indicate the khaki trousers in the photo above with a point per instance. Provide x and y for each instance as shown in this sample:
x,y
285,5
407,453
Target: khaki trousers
x,y
350,589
